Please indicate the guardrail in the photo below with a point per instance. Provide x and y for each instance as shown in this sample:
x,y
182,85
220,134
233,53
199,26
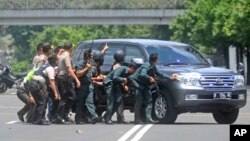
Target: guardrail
x,y
90,4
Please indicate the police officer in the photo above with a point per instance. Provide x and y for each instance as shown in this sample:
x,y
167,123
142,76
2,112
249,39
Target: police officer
x,y
25,96
112,83
85,94
42,58
43,79
39,51
66,83
119,56
143,78
97,76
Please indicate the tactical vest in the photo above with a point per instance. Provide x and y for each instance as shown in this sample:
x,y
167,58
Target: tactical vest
x,y
39,72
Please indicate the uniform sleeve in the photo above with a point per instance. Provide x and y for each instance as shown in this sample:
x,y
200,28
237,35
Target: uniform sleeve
x,y
117,75
144,72
67,61
51,73
160,74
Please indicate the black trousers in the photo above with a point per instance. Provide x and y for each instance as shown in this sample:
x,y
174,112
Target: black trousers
x,y
39,91
28,107
66,88
114,102
53,105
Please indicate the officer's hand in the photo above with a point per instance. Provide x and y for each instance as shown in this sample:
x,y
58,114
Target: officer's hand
x,y
78,84
88,65
57,97
174,76
32,100
106,46
125,81
126,89
152,80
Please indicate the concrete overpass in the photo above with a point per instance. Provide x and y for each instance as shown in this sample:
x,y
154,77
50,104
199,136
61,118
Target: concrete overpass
x,y
77,12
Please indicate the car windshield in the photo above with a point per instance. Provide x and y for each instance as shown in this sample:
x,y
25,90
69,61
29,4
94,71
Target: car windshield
x,y
177,55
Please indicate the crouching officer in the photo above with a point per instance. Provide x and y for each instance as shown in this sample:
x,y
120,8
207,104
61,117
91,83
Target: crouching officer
x,y
113,85
25,96
43,79
66,83
85,93
143,78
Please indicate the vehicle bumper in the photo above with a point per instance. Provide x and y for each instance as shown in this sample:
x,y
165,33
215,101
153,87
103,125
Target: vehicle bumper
x,y
205,101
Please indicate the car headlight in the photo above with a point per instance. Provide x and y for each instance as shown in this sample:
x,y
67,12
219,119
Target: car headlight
x,y
190,79
239,80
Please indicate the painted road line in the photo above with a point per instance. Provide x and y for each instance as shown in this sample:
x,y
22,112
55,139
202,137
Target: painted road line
x,y
12,122
129,133
140,134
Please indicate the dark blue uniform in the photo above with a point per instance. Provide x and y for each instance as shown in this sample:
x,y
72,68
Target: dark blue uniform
x,y
142,92
112,84
85,94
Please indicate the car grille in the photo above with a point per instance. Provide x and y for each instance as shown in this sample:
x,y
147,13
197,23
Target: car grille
x,y
217,81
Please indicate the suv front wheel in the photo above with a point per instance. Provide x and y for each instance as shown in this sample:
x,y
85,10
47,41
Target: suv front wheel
x,y
226,117
164,109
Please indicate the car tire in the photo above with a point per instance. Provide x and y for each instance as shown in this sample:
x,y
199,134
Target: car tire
x,y
226,117
163,109
3,87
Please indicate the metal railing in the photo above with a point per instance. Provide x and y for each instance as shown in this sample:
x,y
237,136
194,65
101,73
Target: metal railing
x,y
90,4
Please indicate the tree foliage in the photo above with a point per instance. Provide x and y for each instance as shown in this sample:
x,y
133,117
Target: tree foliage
x,y
58,35
214,23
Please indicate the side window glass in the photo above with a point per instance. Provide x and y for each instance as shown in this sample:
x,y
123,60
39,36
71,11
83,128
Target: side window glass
x,y
95,47
108,58
77,52
132,52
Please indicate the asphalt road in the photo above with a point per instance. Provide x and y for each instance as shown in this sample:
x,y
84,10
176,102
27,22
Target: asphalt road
x,y
188,127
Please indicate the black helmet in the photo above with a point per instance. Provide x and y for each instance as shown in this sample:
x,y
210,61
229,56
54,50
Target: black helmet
x,y
119,56
153,57
136,62
98,55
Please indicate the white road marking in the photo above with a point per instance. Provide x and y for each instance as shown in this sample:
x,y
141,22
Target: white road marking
x,y
12,122
139,135
129,133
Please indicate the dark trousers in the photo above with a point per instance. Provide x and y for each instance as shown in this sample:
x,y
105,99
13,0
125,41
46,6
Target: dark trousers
x,y
85,96
114,102
28,107
143,96
66,88
39,92
53,105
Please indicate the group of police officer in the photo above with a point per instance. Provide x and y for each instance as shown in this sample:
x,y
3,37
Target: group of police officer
x,y
57,84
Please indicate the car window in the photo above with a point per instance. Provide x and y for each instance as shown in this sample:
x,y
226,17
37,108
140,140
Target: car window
x,y
176,55
132,52
94,47
108,57
79,51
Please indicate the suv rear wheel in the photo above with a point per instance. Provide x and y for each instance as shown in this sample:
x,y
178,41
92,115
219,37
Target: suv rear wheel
x,y
226,117
164,109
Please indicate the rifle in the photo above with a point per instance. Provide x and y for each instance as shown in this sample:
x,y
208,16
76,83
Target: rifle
x,y
154,88
87,54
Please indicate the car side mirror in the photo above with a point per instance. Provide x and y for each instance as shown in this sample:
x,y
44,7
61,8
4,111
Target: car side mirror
x,y
210,61
240,68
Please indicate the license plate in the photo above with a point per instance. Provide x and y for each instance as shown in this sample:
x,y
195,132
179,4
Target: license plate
x,y
222,95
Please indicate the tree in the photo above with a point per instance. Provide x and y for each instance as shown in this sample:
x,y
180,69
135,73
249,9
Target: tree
x,y
215,24
58,35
